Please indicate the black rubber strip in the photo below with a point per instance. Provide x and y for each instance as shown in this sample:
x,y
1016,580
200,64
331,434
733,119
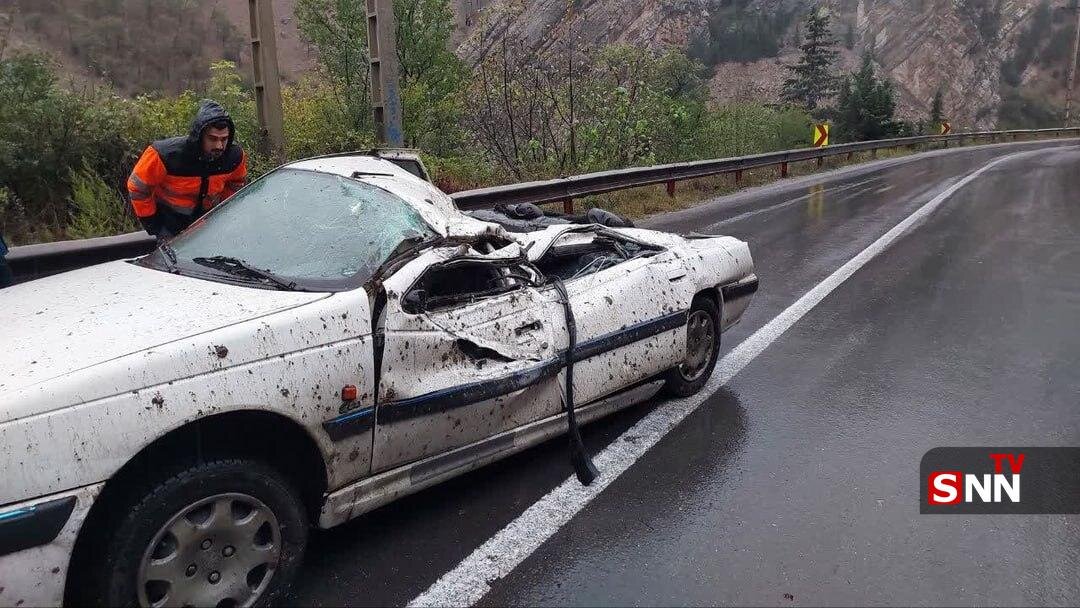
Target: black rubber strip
x,y
353,423
467,394
741,289
33,526
629,335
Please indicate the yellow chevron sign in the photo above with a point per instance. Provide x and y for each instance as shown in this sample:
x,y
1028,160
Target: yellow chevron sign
x,y
821,135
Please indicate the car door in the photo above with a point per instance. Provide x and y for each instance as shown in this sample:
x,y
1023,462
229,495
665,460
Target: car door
x,y
467,353
627,303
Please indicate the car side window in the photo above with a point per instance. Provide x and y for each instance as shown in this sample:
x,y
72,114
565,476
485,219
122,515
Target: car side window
x,y
460,283
581,254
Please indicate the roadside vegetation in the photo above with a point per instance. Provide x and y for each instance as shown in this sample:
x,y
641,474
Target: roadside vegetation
x,y
65,151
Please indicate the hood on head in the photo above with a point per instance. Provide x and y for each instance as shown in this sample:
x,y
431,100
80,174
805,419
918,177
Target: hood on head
x,y
210,112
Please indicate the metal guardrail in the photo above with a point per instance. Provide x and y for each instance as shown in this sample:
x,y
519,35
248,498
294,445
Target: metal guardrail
x,y
577,186
33,261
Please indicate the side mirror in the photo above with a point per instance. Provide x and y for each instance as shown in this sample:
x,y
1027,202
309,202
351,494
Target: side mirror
x,y
414,301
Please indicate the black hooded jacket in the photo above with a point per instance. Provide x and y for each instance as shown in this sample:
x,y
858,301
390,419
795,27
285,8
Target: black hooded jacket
x,y
183,155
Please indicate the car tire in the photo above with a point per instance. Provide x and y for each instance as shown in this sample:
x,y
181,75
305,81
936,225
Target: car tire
x,y
702,350
228,532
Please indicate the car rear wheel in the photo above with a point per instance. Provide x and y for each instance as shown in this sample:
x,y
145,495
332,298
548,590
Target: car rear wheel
x,y
223,533
702,350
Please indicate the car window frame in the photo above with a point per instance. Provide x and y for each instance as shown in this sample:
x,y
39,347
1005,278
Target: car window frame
x,y
494,293
648,250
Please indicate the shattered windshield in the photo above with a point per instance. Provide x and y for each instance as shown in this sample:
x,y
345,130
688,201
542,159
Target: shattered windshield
x,y
300,228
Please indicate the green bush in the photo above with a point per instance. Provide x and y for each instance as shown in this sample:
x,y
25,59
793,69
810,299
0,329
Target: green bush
x,y
318,122
457,173
99,210
45,131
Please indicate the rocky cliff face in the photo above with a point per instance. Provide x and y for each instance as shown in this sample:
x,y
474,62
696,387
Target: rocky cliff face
x,y
958,46
941,45
540,24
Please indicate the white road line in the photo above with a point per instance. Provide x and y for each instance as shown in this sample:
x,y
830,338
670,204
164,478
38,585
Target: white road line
x,y
470,580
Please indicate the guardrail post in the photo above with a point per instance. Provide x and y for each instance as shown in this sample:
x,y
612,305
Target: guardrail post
x,y
671,188
850,155
738,176
820,161
873,153
783,169
568,205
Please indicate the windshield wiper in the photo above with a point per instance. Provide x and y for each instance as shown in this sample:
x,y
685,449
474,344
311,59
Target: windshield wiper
x,y
409,244
168,254
236,266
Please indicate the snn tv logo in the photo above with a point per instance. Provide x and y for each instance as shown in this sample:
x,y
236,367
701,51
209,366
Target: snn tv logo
x,y
954,487
987,480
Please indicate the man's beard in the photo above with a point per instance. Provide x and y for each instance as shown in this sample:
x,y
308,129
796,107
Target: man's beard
x,y
214,154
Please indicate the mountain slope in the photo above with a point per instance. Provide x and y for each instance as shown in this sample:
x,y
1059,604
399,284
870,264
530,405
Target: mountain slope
x,y
990,57
145,46
958,46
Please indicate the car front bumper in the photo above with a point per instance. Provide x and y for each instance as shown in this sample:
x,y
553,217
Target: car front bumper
x,y
36,540
737,298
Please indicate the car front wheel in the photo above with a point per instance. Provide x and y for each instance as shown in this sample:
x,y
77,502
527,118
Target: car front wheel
x,y
222,533
702,350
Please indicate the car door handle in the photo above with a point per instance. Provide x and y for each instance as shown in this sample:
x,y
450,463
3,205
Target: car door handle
x,y
676,273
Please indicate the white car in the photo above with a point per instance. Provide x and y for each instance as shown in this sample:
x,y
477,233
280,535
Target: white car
x,y
335,336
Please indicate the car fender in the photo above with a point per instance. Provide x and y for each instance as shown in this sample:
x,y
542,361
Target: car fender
x,y
293,363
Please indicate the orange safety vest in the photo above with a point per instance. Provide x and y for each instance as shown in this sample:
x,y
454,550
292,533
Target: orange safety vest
x,y
172,184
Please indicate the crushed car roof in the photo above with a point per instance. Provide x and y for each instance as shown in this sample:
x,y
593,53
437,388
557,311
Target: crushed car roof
x,y
434,205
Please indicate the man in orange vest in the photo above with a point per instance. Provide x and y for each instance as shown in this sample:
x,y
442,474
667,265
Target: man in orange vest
x,y
178,179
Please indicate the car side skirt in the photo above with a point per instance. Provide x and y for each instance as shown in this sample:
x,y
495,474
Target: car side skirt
x,y
373,492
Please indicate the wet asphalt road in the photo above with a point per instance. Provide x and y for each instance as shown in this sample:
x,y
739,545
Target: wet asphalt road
x,y
797,483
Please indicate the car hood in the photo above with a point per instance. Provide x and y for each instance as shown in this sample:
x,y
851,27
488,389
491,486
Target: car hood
x,y
68,322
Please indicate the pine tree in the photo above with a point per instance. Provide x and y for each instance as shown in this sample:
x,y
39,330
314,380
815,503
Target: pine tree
x,y
812,81
937,110
867,106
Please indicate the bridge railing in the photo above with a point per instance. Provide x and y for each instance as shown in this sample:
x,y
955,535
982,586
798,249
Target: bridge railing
x,y
33,261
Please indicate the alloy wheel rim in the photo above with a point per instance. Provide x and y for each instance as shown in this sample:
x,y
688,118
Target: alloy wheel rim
x,y
219,551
